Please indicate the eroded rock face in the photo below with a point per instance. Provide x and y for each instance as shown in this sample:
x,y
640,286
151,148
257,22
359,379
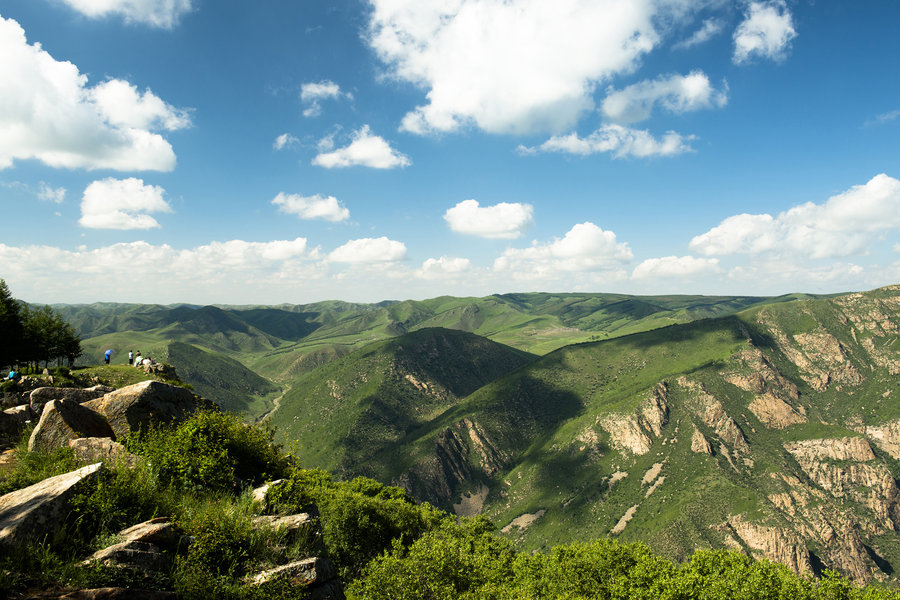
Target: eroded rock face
x,y
699,443
846,467
636,432
713,415
773,543
64,420
886,437
136,406
39,509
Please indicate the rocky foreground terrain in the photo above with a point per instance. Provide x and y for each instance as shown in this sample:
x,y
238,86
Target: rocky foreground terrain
x,y
89,421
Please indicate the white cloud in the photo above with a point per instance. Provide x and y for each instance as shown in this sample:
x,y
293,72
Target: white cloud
x,y
766,32
445,267
616,139
143,272
585,247
123,106
50,194
365,150
369,250
48,113
159,13
515,66
312,207
121,204
709,29
311,94
505,220
846,224
675,266
283,141
675,93
883,118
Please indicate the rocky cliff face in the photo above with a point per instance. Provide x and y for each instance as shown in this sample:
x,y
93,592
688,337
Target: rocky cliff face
x,y
774,433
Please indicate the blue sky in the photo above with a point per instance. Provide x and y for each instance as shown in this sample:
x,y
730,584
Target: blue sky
x,y
293,151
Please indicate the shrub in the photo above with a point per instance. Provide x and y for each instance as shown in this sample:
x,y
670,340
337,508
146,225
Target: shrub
x,y
211,451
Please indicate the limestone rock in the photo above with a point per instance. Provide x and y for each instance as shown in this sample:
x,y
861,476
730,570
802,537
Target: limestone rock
x,y
64,420
259,494
700,444
143,403
42,395
289,522
308,572
636,432
773,543
886,437
774,412
159,531
101,449
116,593
40,508
713,414
143,557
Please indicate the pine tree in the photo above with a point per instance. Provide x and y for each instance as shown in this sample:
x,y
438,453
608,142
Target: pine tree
x,y
11,328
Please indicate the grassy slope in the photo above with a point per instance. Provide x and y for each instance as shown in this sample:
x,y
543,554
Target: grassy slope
x,y
543,420
342,412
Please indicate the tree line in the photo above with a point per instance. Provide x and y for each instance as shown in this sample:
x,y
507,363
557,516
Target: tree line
x,y
31,335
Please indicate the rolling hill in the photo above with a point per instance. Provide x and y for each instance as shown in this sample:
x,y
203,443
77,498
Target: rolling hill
x,y
775,430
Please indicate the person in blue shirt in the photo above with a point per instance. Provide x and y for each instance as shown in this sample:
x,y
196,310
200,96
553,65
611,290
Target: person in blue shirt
x,y
107,355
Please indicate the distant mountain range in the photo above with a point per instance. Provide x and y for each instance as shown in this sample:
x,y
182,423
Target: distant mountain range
x,y
767,424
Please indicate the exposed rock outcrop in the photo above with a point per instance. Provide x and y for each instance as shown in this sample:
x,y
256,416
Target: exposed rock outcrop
x,y
136,406
42,395
64,420
38,510
101,449
769,542
637,431
713,415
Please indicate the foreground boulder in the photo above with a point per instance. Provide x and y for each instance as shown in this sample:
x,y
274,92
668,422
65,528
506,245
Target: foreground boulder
x,y
42,395
138,406
12,423
145,548
64,420
40,509
89,450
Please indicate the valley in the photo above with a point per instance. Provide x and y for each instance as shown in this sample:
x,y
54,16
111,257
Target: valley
x,y
768,425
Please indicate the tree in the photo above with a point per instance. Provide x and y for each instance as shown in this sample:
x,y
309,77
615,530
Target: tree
x,y
11,328
48,337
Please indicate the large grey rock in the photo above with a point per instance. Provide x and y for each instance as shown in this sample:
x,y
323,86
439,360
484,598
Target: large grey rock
x,y
137,406
101,449
39,509
142,557
259,494
307,572
43,395
116,593
64,420
288,522
142,548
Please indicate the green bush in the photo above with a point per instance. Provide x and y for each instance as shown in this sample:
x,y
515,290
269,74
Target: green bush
x,y
211,451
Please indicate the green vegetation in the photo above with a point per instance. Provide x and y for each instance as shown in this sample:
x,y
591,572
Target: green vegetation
x,y
34,335
384,544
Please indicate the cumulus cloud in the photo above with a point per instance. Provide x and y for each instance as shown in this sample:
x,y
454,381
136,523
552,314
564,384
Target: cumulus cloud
x,y
158,13
505,220
585,247
765,32
508,67
710,29
445,267
312,207
143,272
121,204
675,93
369,250
365,150
675,266
51,194
618,140
49,113
312,94
845,225
283,141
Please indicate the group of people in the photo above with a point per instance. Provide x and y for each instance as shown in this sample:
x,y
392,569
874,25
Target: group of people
x,y
137,360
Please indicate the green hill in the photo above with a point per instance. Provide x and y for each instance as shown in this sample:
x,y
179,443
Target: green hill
x,y
342,412
773,430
